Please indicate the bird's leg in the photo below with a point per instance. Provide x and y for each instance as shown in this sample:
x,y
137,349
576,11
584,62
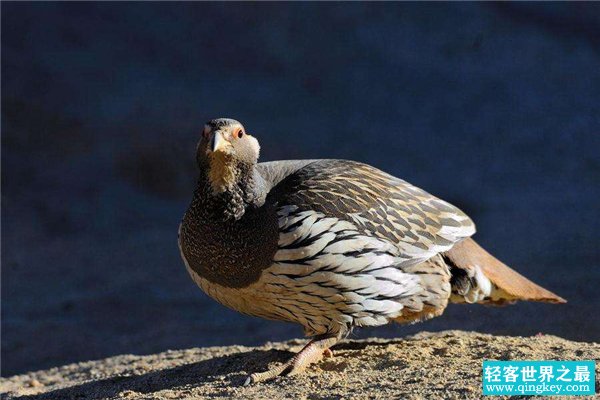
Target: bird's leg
x,y
311,353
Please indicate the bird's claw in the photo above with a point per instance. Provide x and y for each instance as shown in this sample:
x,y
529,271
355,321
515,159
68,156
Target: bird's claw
x,y
311,353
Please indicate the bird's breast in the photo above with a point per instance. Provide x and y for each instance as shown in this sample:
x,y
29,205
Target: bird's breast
x,y
231,253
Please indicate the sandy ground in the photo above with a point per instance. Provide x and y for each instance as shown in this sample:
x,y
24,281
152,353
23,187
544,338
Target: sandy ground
x,y
424,366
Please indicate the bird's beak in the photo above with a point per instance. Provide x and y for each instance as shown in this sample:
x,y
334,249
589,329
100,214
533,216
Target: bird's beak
x,y
218,142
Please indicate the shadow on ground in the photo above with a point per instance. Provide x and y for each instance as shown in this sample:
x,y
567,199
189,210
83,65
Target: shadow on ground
x,y
234,367
188,375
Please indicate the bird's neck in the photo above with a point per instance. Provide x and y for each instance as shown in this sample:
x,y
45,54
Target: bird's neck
x,y
230,237
229,188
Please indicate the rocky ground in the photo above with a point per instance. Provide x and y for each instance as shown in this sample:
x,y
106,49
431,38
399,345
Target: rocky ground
x,y
424,366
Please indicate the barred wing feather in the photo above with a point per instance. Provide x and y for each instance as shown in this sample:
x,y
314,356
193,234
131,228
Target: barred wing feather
x,y
417,223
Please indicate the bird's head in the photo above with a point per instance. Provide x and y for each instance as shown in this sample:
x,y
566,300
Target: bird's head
x,y
226,150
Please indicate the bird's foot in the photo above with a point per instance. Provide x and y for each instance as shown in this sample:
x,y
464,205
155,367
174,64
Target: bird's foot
x,y
311,353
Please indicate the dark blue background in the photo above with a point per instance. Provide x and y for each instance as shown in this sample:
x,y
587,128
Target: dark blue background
x,y
494,107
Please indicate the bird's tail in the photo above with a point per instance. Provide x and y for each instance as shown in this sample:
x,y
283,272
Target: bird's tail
x,y
479,277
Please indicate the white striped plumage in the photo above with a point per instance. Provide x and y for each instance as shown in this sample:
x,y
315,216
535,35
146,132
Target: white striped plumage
x,y
342,279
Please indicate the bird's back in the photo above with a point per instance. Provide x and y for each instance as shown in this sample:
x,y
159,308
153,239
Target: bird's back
x,y
418,223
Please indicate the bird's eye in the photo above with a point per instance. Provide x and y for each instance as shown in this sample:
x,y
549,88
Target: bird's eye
x,y
240,133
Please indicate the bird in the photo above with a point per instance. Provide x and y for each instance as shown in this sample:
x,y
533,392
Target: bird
x,y
330,244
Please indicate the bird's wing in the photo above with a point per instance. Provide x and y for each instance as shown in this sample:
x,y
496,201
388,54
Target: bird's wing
x,y
417,223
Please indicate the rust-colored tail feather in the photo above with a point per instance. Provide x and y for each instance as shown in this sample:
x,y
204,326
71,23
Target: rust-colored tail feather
x,y
468,254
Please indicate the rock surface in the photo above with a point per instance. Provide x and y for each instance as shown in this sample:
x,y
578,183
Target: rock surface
x,y
425,366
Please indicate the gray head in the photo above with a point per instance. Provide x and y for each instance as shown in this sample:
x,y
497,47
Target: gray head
x,y
226,149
